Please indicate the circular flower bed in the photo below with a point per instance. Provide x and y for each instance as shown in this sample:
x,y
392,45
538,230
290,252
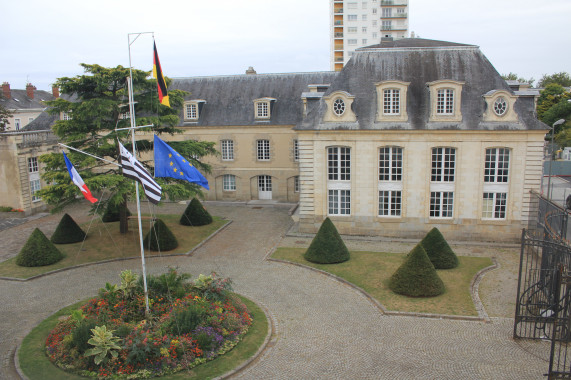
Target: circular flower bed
x,y
112,336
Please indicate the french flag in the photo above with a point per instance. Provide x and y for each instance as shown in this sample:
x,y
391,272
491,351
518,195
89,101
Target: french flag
x,y
76,179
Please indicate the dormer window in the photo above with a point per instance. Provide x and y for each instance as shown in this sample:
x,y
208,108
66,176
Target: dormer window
x,y
66,115
192,109
391,100
445,100
263,108
500,106
338,107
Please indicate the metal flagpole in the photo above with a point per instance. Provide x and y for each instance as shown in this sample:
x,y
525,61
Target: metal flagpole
x,y
132,117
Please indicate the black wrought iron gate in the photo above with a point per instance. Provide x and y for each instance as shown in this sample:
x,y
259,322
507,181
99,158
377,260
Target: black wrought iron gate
x,y
543,307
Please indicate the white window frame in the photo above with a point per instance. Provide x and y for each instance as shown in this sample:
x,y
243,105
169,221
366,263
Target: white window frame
x,y
497,165
496,183
351,17
35,185
229,182
494,205
352,41
338,180
263,108
387,12
191,111
391,101
296,150
263,149
66,115
441,204
442,182
17,124
390,203
445,101
390,181
443,164
33,165
352,29
227,147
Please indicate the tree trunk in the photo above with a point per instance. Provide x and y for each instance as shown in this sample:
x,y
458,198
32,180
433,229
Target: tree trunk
x,y
123,221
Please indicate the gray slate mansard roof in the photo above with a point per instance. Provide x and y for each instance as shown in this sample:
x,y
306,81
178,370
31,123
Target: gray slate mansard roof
x,y
230,99
19,100
419,62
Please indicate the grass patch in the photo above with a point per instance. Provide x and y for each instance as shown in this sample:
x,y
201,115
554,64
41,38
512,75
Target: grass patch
x,y
36,365
104,242
371,272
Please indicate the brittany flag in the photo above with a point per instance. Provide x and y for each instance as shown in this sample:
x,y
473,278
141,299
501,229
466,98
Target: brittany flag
x,y
76,179
158,74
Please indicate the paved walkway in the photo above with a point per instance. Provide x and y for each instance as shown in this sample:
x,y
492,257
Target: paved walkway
x,y
324,329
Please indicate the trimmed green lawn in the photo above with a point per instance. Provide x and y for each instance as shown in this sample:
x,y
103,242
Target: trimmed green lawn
x,y
36,365
104,242
371,272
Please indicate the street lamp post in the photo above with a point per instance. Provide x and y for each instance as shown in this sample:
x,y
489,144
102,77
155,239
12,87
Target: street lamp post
x,y
549,192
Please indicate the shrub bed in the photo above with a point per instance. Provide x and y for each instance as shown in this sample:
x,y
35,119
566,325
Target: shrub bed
x,y
123,343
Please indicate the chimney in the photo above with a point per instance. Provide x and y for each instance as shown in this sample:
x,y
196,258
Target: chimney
x,y
30,90
6,90
250,70
55,91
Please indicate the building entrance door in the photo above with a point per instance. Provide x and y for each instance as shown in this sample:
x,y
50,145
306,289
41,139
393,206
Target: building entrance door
x,y
264,187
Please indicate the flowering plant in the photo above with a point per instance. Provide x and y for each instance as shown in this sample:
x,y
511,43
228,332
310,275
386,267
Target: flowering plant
x,y
178,334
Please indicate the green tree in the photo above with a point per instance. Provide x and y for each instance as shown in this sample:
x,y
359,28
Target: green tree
x,y
67,232
562,79
554,104
416,277
160,238
195,214
38,251
514,76
438,250
97,104
327,247
5,114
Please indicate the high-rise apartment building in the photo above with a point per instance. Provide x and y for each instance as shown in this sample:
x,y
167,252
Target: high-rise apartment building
x,y
358,23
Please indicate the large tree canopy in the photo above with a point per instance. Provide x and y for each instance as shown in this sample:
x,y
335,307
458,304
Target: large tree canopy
x,y
96,104
553,104
514,76
562,79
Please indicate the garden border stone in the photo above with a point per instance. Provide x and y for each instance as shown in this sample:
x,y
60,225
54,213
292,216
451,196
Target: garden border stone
x,y
189,253
482,315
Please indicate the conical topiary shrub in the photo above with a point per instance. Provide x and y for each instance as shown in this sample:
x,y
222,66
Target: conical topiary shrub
x,y
38,251
160,238
327,246
67,231
112,213
195,214
416,277
438,250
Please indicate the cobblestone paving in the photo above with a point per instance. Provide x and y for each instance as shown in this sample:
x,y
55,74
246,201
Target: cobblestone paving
x,y
324,329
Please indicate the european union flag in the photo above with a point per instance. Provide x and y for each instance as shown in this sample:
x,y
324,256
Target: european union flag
x,y
168,163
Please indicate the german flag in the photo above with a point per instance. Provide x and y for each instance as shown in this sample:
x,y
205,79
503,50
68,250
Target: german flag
x,y
158,74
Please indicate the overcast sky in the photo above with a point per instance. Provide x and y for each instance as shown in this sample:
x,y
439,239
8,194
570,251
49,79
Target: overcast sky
x,y
42,41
